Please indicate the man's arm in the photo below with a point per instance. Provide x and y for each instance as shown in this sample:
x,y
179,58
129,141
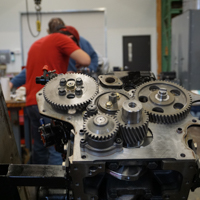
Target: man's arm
x,y
69,48
18,80
87,47
81,57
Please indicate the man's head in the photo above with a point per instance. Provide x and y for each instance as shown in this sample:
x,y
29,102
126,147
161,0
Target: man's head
x,y
70,31
55,24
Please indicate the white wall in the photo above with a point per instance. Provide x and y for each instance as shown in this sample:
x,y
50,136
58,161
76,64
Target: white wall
x,y
124,17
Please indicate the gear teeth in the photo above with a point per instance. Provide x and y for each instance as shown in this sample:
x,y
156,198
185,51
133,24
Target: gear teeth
x,y
96,98
134,133
168,119
66,106
162,118
94,135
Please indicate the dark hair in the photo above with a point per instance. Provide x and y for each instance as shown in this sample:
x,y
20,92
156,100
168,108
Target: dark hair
x,y
54,24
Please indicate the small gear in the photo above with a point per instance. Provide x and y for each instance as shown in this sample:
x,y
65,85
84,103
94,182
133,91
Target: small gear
x,y
165,102
110,101
100,131
100,127
101,135
133,123
70,91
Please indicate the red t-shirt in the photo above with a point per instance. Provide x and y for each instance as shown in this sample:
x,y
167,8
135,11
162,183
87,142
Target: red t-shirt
x,y
53,50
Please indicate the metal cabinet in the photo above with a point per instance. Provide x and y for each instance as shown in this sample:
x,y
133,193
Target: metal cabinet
x,y
185,59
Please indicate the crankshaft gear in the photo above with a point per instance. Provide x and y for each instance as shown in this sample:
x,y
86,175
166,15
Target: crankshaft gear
x,y
100,130
70,91
165,102
133,123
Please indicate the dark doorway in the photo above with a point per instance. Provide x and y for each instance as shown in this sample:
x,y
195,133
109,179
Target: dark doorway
x,y
137,53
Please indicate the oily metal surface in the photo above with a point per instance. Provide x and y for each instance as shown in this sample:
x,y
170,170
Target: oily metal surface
x,y
166,143
110,80
76,120
193,132
172,110
133,134
103,97
94,128
70,99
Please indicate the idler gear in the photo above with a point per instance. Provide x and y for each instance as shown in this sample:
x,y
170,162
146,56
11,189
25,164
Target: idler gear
x,y
110,101
133,123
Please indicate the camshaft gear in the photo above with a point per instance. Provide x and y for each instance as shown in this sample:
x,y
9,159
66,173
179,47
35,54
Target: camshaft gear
x,y
100,130
165,102
133,123
70,91
110,101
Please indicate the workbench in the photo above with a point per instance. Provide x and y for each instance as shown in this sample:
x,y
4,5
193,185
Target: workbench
x,y
14,107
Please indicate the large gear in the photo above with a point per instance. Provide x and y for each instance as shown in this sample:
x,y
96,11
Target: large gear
x,y
165,102
110,101
133,123
70,91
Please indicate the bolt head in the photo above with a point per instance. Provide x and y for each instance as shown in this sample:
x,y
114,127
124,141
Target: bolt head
x,y
79,81
78,91
70,85
118,141
63,82
109,104
62,92
91,107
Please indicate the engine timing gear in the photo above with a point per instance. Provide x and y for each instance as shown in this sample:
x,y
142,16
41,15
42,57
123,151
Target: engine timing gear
x,y
165,102
133,123
70,91
110,101
100,130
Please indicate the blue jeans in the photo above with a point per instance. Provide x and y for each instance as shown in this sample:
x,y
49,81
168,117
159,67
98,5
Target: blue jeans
x,y
41,154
